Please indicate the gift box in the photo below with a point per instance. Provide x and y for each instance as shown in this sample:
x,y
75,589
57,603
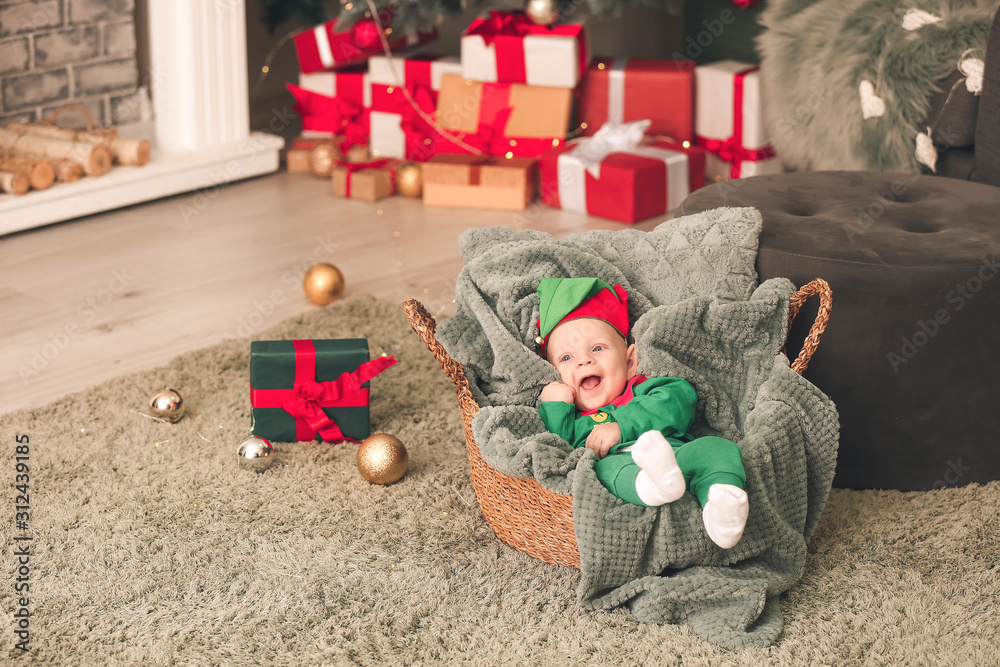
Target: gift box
x,y
507,47
623,90
467,181
730,122
312,389
367,181
625,181
501,118
298,158
321,48
398,130
334,102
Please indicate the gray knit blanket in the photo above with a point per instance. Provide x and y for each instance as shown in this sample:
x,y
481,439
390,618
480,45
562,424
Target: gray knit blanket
x,y
697,314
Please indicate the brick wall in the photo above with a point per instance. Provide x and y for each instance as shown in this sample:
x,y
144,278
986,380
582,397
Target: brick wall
x,y
57,52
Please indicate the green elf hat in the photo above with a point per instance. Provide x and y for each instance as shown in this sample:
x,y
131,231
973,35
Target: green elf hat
x,y
563,299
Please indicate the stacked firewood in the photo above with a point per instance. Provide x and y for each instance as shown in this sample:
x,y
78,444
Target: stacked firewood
x,y
36,155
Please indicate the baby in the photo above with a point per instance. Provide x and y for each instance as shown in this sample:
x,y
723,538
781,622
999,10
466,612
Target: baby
x,y
636,426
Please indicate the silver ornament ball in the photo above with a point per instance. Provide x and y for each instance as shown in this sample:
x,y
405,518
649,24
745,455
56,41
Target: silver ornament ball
x,y
256,454
542,12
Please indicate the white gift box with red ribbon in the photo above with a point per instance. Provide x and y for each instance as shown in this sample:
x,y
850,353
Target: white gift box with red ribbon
x,y
730,122
352,86
505,47
394,123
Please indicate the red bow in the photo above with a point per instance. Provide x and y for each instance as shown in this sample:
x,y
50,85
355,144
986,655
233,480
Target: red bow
x,y
415,127
331,114
489,137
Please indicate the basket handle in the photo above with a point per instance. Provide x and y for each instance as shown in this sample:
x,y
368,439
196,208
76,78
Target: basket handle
x,y
54,118
424,326
816,287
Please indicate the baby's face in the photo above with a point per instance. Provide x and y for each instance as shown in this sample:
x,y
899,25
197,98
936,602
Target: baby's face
x,y
593,358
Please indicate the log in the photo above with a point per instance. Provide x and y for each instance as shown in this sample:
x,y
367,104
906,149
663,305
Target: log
x,y
96,159
15,184
40,172
124,151
67,171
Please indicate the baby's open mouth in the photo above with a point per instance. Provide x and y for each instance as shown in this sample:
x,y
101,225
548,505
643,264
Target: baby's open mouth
x,y
590,382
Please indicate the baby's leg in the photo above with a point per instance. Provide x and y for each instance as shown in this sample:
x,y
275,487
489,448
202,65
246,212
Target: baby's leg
x,y
660,480
714,470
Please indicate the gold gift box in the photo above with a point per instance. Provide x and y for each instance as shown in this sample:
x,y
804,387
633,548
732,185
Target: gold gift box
x,y
367,184
468,181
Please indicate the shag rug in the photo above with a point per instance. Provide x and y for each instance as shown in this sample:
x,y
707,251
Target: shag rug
x,y
150,546
816,53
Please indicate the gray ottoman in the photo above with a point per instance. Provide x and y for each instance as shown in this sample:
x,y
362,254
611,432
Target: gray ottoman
x,y
910,356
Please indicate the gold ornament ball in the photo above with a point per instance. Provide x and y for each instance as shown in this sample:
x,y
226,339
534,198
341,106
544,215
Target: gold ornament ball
x,y
357,153
408,180
382,458
167,404
321,159
323,284
542,12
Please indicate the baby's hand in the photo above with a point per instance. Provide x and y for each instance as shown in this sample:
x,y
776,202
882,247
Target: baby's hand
x,y
603,438
558,392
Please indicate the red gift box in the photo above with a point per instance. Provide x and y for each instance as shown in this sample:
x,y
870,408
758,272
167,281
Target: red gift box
x,y
397,129
320,48
622,90
508,47
631,185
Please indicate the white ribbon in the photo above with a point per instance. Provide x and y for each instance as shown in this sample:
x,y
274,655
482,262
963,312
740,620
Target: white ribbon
x,y
611,138
574,165
323,45
616,91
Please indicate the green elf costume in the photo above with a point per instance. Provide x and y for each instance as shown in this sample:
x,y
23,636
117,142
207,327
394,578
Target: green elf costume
x,y
646,409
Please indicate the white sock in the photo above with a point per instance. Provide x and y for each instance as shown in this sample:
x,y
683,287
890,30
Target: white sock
x,y
660,481
725,514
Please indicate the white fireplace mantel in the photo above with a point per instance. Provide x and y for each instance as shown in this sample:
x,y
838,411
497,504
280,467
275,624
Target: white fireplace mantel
x,y
201,133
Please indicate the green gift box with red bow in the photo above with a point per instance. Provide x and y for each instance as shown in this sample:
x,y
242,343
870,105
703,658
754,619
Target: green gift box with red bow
x,y
304,390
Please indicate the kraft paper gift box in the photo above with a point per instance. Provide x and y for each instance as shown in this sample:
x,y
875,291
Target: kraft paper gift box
x,y
501,118
730,123
468,181
367,181
298,158
397,129
323,48
334,103
304,390
623,90
507,47
628,184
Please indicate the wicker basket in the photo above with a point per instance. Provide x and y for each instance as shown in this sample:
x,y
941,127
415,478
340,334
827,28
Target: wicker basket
x,y
520,511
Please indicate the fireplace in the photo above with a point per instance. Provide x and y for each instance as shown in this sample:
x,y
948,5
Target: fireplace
x,y
200,121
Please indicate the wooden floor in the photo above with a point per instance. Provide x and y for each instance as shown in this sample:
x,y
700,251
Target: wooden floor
x,y
103,296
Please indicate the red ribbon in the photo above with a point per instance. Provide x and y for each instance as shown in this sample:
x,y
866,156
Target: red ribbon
x,y
508,30
322,113
307,398
731,150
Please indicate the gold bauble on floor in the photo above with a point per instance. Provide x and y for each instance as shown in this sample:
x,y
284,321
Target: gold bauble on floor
x,y
382,458
409,181
323,284
322,159
167,404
